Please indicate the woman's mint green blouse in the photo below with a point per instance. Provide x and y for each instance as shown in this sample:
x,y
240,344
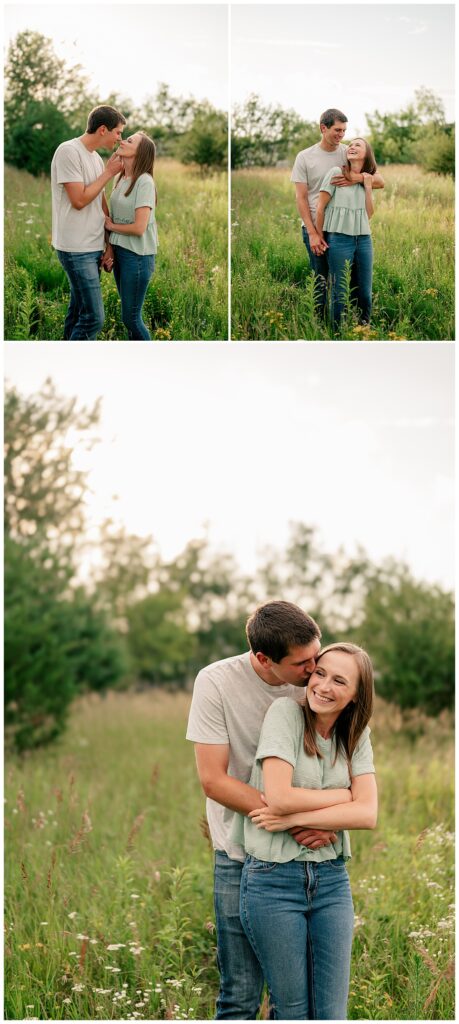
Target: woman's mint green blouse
x,y
122,211
282,735
345,213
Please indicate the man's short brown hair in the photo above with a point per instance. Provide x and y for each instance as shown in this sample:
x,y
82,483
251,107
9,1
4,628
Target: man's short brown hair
x,y
107,116
331,115
274,628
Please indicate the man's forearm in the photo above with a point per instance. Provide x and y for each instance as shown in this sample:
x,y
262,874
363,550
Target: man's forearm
x,y
304,211
236,795
90,192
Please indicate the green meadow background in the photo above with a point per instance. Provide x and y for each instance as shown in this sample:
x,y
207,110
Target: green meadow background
x,y
109,871
413,278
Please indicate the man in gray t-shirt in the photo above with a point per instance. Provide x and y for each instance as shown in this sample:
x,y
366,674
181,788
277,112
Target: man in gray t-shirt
x,y
79,208
230,700
310,167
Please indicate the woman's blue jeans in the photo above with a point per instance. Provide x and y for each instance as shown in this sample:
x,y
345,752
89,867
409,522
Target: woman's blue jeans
x,y
132,275
85,314
299,919
358,249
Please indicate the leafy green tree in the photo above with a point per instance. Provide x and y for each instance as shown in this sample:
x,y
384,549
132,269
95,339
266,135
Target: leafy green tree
x,y
206,141
408,628
160,641
263,135
126,567
56,645
43,490
45,102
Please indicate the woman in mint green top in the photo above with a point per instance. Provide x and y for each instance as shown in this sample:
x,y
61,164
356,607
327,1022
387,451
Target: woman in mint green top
x,y
133,239
314,764
343,223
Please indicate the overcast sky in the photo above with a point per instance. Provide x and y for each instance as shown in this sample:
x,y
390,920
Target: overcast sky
x,y
357,57
355,439
131,48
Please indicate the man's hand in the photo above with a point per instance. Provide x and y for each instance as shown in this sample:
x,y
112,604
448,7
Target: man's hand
x,y
317,243
114,164
347,178
107,259
313,838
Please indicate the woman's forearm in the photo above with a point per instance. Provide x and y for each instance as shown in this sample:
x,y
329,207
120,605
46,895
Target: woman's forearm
x,y
369,206
127,229
294,798
352,815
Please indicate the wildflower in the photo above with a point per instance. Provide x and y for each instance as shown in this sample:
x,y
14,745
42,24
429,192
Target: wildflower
x,y
30,221
134,896
157,876
215,270
73,914
82,938
431,291
209,925
115,945
77,988
67,1000
43,923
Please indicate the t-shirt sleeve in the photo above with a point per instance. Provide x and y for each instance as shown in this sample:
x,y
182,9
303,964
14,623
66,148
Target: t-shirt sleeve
x,y
145,194
299,170
326,185
206,722
362,758
281,730
68,166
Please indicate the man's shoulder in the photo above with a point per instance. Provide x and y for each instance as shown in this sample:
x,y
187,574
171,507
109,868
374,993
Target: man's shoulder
x,y
226,667
305,154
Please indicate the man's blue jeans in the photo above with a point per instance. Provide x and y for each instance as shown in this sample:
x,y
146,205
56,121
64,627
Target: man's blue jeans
x,y
241,977
85,314
358,250
132,275
319,265
299,919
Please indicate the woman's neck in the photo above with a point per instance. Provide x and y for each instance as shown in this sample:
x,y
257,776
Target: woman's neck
x,y
356,165
324,725
128,165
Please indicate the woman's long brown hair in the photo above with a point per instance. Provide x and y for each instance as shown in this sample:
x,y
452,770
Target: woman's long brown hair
x,y
144,161
350,724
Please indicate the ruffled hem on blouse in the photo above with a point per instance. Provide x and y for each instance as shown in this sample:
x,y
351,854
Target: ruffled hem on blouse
x,y
347,221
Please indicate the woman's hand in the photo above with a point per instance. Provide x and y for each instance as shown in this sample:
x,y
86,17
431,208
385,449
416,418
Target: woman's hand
x,y
107,259
109,225
367,181
262,817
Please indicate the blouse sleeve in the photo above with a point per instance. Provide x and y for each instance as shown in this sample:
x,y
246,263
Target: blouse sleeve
x,y
282,730
326,185
145,195
362,758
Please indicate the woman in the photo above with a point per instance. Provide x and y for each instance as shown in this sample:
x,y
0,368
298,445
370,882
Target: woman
x,y
315,765
343,222
132,227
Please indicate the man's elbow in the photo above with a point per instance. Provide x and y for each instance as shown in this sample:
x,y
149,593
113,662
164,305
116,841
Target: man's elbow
x,y
210,786
78,204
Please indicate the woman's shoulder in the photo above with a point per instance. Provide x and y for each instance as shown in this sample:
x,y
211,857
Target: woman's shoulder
x,y
363,738
145,177
285,707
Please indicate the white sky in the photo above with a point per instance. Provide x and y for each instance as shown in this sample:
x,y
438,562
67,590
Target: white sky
x,y
130,48
353,438
357,57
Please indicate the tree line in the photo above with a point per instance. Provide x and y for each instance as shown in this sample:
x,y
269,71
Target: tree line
x,y
92,609
266,135
47,102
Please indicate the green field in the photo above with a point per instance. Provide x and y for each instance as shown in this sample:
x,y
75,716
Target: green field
x,y
108,872
188,296
413,282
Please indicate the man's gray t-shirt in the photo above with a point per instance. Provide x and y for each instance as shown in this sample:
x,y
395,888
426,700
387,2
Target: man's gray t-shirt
x,y
311,166
228,707
76,230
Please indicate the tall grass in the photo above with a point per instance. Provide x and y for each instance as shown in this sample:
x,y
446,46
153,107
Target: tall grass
x,y
187,297
413,237
109,873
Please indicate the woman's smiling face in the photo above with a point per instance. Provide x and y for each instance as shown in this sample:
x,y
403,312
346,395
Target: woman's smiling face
x,y
333,684
357,148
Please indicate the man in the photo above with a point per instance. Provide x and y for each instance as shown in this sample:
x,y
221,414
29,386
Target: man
x,y
230,700
79,207
309,170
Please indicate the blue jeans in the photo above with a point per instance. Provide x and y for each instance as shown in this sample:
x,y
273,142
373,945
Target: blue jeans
x,y
299,919
358,249
132,275
241,977
85,314
319,265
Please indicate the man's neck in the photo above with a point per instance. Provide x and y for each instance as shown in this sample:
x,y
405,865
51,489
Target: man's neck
x,y
90,142
264,674
328,147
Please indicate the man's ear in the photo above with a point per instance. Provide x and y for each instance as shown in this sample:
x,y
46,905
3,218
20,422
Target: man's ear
x,y
263,660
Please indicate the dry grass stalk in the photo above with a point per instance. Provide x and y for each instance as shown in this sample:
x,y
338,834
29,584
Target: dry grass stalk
x,y
264,1012
82,957
80,836
154,774
446,975
50,870
20,801
24,873
134,830
204,828
421,837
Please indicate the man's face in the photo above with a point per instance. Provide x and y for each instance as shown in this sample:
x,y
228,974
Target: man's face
x,y
297,665
334,135
110,139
